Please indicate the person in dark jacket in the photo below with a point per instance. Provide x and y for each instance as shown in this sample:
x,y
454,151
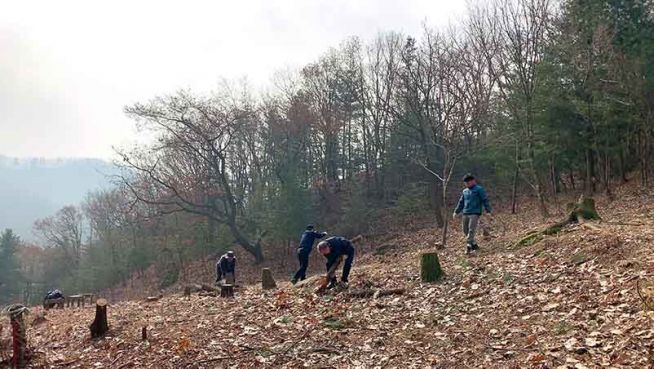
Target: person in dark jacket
x,y
334,248
226,267
472,203
309,236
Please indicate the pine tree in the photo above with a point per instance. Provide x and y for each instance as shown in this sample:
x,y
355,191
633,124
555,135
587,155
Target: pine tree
x,y
10,276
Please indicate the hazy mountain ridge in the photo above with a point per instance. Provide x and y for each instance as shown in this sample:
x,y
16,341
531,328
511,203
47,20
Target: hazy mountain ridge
x,y
33,188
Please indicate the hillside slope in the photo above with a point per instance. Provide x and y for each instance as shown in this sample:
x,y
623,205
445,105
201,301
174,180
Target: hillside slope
x,y
36,188
569,301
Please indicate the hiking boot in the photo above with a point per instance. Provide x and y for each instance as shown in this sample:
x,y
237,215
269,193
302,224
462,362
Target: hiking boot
x,y
293,281
469,249
475,247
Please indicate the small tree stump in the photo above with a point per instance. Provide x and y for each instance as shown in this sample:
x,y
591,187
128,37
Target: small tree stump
x,y
144,334
187,292
583,209
19,353
227,290
99,327
430,267
267,280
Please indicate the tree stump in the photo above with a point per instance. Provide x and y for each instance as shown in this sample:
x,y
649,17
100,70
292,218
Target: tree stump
x,y
19,352
430,267
51,303
267,280
227,290
99,327
583,209
187,292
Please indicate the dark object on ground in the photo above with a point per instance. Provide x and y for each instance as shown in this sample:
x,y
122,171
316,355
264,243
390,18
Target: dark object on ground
x,y
227,290
99,327
56,302
430,267
267,280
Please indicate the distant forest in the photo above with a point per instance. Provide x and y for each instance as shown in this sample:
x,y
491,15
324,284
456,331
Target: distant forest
x,y
534,97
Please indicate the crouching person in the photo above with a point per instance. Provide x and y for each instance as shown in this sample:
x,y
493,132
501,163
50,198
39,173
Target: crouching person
x,y
226,268
334,249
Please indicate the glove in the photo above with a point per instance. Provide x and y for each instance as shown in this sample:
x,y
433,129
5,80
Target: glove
x,y
454,215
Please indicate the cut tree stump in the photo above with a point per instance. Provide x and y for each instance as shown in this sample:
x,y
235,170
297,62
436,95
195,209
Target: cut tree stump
x,y
99,327
19,352
227,290
579,212
267,280
430,267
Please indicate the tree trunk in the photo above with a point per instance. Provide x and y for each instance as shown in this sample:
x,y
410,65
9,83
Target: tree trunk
x,y
430,267
514,190
99,327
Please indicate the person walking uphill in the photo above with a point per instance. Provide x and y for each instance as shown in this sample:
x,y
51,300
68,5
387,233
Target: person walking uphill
x,y
226,268
306,244
334,248
470,204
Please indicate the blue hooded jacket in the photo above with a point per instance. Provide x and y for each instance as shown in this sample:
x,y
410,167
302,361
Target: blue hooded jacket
x,y
471,201
308,238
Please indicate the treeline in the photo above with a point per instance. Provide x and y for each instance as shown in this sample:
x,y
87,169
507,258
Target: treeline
x,y
533,96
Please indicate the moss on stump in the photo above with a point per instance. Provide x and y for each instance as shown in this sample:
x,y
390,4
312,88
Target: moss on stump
x,y
584,209
430,267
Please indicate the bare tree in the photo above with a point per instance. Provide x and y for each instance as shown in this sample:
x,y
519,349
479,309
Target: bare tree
x,y
195,165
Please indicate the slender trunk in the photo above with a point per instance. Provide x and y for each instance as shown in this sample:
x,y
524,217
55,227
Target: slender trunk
x,y
516,174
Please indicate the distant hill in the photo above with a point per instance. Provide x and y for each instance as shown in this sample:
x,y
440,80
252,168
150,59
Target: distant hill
x,y
34,188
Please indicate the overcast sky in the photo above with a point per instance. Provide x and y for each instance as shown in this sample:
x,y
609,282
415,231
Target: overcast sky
x,y
67,68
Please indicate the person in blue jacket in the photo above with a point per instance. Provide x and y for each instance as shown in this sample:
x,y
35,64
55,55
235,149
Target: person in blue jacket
x,y
309,236
333,249
472,203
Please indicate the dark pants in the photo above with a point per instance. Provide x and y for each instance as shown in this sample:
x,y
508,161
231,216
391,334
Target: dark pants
x,y
303,258
346,267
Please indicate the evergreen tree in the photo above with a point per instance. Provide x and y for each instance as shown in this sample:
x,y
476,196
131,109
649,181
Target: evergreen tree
x,y
10,276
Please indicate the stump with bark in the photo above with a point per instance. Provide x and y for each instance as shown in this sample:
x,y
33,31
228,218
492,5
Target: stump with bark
x,y
579,212
19,353
99,327
430,267
267,280
227,290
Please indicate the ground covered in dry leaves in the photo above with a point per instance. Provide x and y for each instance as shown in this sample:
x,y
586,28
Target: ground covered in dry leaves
x,y
569,301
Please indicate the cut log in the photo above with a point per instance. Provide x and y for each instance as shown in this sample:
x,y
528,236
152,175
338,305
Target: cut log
x,y
430,267
267,280
227,290
99,327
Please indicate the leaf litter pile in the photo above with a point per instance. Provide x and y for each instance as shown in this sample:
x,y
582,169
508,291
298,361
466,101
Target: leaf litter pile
x,y
580,299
